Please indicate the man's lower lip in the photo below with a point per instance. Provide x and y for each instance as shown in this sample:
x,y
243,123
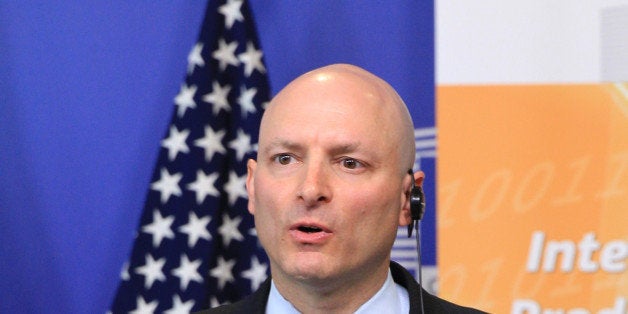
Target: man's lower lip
x,y
310,237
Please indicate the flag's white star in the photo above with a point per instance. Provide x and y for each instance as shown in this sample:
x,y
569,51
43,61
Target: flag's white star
x,y
218,98
188,271
256,274
223,271
179,307
185,99
175,142
252,59
241,144
231,11
265,105
225,54
196,229
143,307
152,270
195,57
204,185
211,143
160,228
124,274
246,100
235,187
167,185
229,229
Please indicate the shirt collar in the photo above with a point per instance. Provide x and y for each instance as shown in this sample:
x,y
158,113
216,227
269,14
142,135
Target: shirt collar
x,y
391,298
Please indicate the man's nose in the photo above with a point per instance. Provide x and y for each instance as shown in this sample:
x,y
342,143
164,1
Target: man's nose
x,y
315,185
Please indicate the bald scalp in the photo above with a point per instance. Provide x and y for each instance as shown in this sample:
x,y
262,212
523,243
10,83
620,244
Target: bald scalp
x,y
345,83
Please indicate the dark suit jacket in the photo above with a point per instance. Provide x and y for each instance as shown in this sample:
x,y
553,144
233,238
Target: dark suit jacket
x,y
256,302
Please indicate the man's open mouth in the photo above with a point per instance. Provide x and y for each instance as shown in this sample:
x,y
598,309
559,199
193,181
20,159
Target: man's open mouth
x,y
309,229
310,233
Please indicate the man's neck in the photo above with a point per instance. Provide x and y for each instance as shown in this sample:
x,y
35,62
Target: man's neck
x,y
338,295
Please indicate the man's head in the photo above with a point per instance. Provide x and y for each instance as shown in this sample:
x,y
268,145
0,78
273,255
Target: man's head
x,y
330,186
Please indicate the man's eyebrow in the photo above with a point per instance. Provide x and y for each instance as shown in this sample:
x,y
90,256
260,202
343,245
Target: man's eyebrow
x,y
282,144
345,148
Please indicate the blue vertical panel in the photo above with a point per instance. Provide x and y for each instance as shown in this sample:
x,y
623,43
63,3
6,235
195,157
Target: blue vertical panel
x,y
85,96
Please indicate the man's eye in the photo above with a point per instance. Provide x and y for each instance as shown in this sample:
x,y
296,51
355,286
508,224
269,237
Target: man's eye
x,y
284,159
351,163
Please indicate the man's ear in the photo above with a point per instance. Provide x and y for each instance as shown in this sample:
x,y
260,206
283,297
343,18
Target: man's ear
x,y
405,217
251,164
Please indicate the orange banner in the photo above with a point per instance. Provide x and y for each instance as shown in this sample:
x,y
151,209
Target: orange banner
x,y
533,197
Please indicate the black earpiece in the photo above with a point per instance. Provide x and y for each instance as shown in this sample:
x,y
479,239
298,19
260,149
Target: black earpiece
x,y
417,204
417,208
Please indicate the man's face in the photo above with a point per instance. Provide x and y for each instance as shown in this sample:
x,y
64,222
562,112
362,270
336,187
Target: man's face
x,y
326,189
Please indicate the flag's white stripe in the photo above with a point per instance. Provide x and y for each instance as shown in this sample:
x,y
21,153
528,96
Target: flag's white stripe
x,y
403,254
431,143
402,232
424,132
426,153
405,242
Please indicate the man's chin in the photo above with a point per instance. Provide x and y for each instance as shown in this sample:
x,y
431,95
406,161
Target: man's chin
x,y
309,267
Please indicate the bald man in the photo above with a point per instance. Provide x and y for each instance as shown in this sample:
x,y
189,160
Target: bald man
x,y
328,191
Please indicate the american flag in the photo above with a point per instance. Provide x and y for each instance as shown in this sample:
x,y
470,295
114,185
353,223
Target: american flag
x,y
196,246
